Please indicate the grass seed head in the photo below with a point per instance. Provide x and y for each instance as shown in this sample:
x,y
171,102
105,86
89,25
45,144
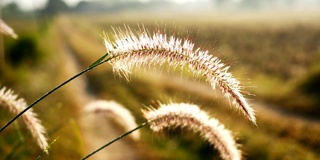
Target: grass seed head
x,y
15,105
142,49
189,116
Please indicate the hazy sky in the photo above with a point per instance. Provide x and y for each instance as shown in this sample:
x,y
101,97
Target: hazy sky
x,y
31,4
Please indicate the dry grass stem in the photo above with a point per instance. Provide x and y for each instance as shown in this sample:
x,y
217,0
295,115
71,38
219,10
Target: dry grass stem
x,y
191,117
15,105
116,112
143,49
5,29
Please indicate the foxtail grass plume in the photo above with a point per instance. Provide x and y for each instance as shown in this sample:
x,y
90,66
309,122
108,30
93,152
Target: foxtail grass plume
x,y
117,113
189,116
143,49
5,29
15,105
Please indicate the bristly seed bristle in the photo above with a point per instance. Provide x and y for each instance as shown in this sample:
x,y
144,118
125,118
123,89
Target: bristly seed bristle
x,y
143,49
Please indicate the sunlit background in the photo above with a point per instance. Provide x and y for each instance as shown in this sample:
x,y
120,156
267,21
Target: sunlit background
x,y
271,46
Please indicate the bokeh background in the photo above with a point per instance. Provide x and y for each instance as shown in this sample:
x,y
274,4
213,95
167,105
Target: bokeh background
x,y
272,46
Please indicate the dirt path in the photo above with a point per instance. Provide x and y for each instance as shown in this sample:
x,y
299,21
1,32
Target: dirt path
x,y
96,129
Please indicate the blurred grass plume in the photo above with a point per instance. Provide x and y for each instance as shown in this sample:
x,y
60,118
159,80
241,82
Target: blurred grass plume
x,y
15,105
116,112
7,30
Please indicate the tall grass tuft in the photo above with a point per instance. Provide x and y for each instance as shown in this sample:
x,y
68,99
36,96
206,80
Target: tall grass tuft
x,y
142,49
15,105
189,116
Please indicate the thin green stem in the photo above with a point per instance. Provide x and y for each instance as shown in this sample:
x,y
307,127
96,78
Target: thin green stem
x,y
93,65
116,139
47,149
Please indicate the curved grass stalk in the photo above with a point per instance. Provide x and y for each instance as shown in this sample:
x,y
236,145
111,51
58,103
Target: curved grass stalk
x,y
116,139
186,116
93,65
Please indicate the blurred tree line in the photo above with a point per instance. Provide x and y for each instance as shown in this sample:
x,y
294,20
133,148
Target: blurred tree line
x,y
54,7
247,4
